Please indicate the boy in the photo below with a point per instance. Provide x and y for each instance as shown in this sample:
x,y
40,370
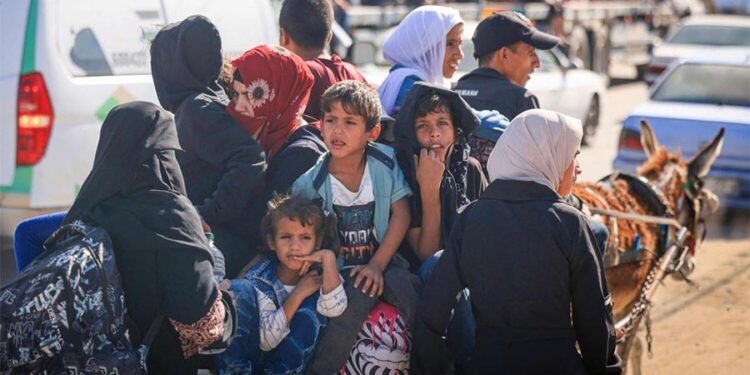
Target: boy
x,y
360,181
306,31
431,132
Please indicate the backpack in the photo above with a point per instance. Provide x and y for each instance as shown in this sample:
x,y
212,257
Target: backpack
x,y
65,313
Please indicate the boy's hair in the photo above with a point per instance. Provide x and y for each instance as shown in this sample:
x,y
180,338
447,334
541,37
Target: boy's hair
x,y
434,103
302,210
308,22
357,98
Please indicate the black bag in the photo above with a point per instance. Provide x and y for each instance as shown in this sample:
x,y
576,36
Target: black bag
x,y
65,313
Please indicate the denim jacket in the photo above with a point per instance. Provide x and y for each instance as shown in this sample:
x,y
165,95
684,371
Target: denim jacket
x,y
293,354
387,179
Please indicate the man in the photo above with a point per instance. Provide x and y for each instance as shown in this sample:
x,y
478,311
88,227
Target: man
x,y
505,45
306,30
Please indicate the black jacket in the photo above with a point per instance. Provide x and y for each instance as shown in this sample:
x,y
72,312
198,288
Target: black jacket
x,y
529,261
487,89
298,154
222,163
463,179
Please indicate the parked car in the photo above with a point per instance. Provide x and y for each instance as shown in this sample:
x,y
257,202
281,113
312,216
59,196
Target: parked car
x,y
559,84
705,35
66,63
687,106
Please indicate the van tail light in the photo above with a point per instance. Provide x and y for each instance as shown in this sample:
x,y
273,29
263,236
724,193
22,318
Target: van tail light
x,y
34,119
630,140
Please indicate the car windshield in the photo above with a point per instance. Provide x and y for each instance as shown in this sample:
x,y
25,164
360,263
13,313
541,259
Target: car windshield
x,y
706,84
712,35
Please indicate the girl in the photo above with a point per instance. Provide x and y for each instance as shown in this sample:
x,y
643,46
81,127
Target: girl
x,y
426,46
284,301
222,165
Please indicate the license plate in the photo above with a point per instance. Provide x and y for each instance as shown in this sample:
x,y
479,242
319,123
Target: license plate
x,y
722,186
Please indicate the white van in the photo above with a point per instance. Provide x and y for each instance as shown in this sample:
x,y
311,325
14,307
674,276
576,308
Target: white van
x,y
66,63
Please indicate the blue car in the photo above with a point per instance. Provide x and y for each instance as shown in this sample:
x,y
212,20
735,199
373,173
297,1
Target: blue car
x,y
687,106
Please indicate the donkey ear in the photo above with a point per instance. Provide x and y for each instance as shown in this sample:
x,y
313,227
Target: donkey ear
x,y
648,139
702,161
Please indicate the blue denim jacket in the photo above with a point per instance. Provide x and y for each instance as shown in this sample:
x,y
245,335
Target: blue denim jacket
x,y
293,354
387,179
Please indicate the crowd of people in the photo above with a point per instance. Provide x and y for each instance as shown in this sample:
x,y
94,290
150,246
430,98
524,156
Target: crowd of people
x,y
337,207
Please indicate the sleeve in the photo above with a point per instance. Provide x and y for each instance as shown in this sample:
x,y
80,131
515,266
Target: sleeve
x,y
334,303
227,146
190,297
274,326
434,310
400,187
591,301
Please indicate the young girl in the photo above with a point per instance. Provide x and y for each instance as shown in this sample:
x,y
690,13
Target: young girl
x,y
283,302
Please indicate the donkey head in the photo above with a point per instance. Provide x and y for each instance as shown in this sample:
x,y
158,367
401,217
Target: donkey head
x,y
681,181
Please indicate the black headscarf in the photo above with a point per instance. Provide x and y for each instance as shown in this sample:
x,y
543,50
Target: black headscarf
x,y
453,187
186,58
136,192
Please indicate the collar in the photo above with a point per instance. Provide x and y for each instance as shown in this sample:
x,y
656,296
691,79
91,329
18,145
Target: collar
x,y
487,72
514,190
371,153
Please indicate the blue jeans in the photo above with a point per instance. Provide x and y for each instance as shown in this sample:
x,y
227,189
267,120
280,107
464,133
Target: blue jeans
x,y
244,356
461,329
30,234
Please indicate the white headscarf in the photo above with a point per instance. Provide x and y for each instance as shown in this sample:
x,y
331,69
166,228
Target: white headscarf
x,y
418,43
538,146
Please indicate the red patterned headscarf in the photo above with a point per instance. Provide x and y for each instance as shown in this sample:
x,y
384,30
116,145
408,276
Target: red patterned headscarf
x,y
279,84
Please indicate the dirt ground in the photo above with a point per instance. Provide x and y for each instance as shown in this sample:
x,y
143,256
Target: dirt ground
x,y
704,329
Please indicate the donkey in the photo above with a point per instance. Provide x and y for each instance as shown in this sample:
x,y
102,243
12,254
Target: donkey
x,y
666,185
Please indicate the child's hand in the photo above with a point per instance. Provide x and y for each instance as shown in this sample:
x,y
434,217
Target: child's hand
x,y
429,169
372,277
308,284
324,256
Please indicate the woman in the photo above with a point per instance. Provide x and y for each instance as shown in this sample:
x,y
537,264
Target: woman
x,y
528,258
426,46
270,90
136,192
222,164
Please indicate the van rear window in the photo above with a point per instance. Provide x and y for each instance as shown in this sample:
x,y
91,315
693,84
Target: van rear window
x,y
103,38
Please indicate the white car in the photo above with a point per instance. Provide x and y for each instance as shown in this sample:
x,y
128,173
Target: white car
x,y
66,63
559,84
698,36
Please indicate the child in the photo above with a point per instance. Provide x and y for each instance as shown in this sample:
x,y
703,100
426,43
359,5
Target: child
x,y
360,181
431,132
281,313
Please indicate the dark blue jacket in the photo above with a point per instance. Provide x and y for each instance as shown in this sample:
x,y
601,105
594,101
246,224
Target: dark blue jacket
x,y
487,89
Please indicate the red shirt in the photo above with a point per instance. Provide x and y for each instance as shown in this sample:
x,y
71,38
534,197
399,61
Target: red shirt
x,y
326,73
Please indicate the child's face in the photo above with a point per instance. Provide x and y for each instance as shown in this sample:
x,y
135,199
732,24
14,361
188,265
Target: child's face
x,y
292,239
344,133
435,131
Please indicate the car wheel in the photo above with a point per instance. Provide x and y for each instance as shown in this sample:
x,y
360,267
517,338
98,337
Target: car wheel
x,y
591,122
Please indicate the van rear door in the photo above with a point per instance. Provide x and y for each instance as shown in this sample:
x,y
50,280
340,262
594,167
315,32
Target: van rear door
x,y
13,16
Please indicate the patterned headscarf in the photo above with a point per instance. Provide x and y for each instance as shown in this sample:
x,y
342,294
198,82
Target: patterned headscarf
x,y
538,146
278,83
